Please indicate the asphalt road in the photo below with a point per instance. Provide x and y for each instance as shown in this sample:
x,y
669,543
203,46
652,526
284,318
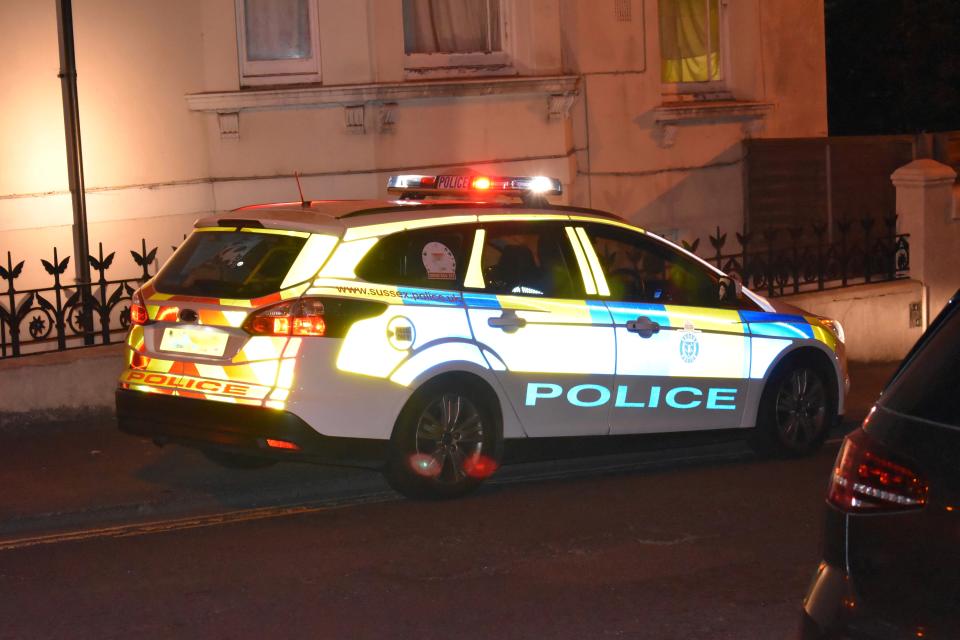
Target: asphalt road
x,y
705,550
104,536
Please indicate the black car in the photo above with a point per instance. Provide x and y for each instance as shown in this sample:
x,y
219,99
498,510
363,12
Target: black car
x,y
891,552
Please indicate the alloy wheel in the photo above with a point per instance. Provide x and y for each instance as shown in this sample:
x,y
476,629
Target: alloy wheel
x,y
801,407
450,434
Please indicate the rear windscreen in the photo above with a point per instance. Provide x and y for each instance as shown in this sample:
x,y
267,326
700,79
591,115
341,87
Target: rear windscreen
x,y
229,264
928,386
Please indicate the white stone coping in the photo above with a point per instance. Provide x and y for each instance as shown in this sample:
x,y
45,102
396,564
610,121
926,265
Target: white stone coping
x,y
316,96
924,171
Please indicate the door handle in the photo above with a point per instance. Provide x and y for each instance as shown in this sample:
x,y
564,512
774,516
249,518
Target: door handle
x,y
509,321
643,326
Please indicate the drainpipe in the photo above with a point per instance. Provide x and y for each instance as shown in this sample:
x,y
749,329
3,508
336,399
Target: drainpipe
x,y
71,127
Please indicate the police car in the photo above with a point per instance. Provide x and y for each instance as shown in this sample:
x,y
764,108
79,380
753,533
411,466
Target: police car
x,y
423,334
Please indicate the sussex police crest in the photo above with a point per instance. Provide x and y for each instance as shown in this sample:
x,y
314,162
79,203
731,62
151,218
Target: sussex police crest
x,y
689,347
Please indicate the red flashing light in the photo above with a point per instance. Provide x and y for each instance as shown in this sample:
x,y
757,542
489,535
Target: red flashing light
x,y
282,444
138,309
425,465
866,479
482,183
480,466
427,181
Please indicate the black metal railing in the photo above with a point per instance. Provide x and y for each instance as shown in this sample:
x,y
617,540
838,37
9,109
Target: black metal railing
x,y
772,262
66,316
778,262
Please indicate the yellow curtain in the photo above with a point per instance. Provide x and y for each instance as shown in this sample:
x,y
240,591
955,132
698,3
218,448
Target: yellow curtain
x,y
690,40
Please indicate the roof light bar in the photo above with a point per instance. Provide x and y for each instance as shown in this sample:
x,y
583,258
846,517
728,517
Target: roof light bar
x,y
466,185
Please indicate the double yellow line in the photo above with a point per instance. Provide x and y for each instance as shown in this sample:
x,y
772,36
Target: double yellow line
x,y
195,522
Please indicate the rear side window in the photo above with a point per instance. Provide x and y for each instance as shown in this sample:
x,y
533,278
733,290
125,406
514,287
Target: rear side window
x,y
229,264
529,258
432,258
929,386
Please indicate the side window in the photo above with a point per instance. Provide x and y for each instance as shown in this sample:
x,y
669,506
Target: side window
x,y
529,258
640,269
432,258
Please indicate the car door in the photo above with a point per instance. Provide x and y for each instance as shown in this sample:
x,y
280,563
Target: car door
x,y
552,350
683,357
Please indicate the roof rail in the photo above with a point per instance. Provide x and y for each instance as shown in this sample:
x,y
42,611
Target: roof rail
x,y
436,206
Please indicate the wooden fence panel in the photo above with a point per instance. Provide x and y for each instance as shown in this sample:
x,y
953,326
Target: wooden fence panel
x,y
793,183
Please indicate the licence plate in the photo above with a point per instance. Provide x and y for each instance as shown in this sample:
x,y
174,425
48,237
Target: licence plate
x,y
201,343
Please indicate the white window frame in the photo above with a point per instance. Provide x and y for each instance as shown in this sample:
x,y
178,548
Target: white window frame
x,y
717,87
265,72
446,64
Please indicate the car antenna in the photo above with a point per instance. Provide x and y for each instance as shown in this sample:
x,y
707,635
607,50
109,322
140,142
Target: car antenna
x,y
303,201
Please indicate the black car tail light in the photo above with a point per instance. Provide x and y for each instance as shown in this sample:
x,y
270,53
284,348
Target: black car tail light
x,y
305,317
868,478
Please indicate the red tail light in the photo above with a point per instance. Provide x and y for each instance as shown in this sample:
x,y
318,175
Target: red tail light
x,y
867,478
282,444
303,317
138,309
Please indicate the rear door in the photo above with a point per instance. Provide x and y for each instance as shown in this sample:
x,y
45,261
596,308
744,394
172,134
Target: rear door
x,y
683,360
552,350
194,344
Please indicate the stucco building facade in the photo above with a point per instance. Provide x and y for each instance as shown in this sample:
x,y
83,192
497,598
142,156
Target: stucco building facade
x,y
640,107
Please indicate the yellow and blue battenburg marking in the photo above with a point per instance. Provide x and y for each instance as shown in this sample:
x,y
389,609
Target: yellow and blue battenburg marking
x,y
700,342
592,311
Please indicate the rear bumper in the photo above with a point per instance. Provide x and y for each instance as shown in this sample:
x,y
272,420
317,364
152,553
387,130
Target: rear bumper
x,y
206,424
832,611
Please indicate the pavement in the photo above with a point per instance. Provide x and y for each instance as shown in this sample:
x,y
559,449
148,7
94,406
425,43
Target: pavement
x,y
60,477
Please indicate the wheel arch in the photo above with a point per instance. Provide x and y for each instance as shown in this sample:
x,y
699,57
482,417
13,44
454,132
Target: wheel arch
x,y
467,373
823,359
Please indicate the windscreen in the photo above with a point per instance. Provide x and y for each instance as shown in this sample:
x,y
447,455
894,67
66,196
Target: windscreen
x,y
928,387
229,264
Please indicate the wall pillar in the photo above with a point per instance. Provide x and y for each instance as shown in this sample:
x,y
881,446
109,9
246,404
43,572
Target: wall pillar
x,y
925,208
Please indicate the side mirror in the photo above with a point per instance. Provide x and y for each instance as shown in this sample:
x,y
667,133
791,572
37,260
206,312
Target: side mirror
x,y
730,290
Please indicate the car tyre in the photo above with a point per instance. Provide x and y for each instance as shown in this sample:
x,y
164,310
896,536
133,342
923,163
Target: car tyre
x,y
796,411
446,442
232,460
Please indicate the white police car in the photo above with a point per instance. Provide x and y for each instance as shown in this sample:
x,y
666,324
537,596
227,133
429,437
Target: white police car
x,y
422,334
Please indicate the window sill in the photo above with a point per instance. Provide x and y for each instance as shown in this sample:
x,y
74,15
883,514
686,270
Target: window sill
x,y
358,100
316,96
670,115
280,80
695,111
459,71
